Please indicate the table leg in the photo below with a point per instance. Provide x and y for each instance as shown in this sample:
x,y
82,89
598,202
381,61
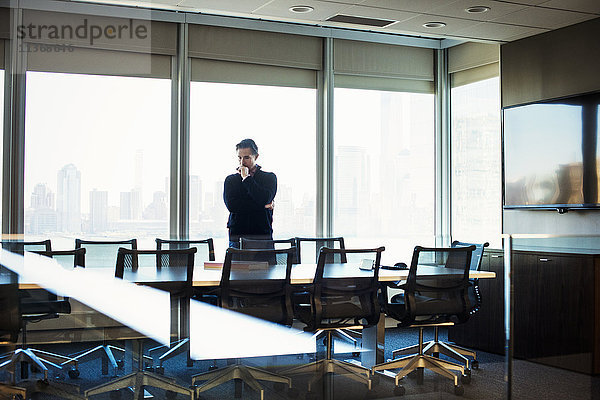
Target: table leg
x,y
373,343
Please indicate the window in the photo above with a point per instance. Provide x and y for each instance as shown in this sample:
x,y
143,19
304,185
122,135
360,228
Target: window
x,y
384,170
282,121
476,166
96,157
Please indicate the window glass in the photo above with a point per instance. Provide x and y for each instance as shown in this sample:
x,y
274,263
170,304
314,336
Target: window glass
x,y
476,166
96,158
384,170
282,122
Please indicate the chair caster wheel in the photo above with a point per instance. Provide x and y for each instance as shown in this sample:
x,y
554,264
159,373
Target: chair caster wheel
x,y
293,393
115,395
466,378
120,364
475,364
73,373
170,395
459,390
399,391
278,386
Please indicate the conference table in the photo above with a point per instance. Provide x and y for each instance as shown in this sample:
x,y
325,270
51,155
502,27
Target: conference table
x,y
302,274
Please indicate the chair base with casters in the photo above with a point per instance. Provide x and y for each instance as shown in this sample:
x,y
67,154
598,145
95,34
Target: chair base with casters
x,y
104,351
138,381
329,365
249,375
421,361
435,347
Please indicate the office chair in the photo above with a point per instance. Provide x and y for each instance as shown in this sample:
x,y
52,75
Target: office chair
x,y
128,259
102,254
44,305
246,243
453,351
10,325
309,248
334,303
439,301
205,251
270,300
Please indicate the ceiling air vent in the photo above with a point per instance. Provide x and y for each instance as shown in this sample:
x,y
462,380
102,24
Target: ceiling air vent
x,y
350,19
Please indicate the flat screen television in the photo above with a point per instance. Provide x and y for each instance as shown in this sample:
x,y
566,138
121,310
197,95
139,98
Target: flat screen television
x,y
551,154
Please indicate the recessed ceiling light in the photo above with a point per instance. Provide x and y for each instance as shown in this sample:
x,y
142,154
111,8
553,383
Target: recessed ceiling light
x,y
434,24
477,9
301,9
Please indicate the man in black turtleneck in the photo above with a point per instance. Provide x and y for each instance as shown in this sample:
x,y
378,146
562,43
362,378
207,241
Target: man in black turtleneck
x,y
249,195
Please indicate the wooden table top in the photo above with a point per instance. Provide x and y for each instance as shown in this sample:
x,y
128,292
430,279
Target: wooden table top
x,y
301,274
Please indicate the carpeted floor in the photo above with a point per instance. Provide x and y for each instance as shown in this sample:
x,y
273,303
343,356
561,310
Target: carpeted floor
x,y
530,380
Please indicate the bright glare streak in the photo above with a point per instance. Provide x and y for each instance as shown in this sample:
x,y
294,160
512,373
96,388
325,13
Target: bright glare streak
x,y
220,333
141,308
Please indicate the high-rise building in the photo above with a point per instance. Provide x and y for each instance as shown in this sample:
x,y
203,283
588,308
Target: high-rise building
x,y
195,198
98,210
68,199
42,197
131,204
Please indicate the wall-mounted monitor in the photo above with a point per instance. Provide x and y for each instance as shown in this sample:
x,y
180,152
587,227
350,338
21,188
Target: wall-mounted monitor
x,y
551,154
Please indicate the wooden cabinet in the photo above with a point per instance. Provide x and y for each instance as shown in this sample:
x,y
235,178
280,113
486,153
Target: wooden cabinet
x,y
556,310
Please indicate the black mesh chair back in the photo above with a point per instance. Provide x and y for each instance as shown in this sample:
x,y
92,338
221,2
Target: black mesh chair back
x,y
258,244
10,317
442,298
66,258
21,246
268,299
476,258
205,248
309,249
344,302
103,253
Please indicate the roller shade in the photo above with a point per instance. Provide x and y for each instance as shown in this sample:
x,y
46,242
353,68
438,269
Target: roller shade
x,y
99,32
255,47
472,55
386,84
382,60
4,23
101,62
231,72
89,44
477,74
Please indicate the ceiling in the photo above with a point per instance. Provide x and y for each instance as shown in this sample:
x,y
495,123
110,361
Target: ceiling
x,y
504,21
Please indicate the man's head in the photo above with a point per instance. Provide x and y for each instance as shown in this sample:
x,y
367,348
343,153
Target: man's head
x,y
247,152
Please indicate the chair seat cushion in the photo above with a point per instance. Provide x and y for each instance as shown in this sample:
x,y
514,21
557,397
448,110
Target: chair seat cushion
x,y
49,307
433,310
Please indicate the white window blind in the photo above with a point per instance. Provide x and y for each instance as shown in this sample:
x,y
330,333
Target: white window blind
x,y
364,65
229,55
90,44
473,62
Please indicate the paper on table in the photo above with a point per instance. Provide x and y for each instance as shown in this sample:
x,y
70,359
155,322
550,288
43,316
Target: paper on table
x,y
238,265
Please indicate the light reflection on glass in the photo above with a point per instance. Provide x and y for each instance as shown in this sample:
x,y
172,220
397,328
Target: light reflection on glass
x,y
141,308
219,333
